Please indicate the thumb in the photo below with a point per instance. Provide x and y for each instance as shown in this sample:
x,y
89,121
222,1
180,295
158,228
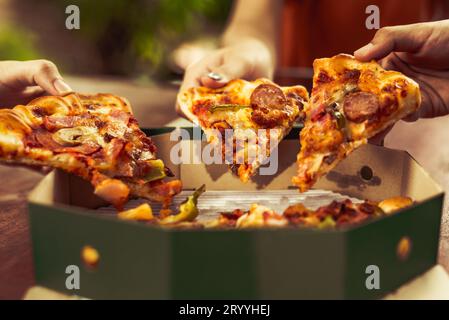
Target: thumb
x,y
394,39
226,72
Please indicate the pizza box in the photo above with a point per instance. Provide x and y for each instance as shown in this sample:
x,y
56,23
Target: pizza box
x,y
147,262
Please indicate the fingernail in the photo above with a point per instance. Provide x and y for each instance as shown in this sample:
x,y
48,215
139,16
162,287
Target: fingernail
x,y
364,50
61,86
215,76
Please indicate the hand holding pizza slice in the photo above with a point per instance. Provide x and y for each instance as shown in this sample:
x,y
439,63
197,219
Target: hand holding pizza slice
x,y
351,102
92,136
247,119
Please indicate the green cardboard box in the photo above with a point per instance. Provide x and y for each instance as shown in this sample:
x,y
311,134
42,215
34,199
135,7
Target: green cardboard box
x,y
147,262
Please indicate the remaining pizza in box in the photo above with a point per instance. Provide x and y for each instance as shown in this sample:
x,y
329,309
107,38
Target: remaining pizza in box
x,y
246,119
351,101
95,137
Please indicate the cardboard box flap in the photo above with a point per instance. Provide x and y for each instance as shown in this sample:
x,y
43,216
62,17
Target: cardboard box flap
x,y
59,187
371,172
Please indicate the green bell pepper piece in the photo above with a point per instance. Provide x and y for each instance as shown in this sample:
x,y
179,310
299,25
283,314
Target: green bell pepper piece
x,y
157,171
327,223
340,118
188,210
220,107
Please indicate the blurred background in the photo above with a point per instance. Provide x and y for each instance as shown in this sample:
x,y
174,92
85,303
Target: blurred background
x,y
123,47
117,37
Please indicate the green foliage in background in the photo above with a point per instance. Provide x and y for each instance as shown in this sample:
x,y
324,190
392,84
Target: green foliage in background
x,y
136,36
16,44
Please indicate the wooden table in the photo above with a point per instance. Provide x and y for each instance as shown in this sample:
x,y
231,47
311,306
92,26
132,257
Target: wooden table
x,y
153,105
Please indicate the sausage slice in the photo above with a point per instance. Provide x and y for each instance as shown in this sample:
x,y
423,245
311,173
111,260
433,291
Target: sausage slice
x,y
360,106
268,103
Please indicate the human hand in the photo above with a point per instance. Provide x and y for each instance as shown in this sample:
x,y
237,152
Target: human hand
x,y
419,51
248,60
21,81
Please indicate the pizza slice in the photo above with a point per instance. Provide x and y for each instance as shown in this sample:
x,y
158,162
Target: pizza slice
x,y
258,216
351,101
92,136
245,119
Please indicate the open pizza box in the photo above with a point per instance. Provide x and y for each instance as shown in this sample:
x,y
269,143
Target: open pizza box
x,y
149,262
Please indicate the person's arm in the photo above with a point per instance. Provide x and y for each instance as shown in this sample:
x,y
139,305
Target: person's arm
x,y
254,20
248,47
21,81
421,52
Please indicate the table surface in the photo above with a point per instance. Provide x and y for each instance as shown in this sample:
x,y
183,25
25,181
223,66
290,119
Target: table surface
x,y
425,140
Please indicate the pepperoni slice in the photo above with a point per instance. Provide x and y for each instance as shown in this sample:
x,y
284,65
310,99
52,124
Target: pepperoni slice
x,y
55,123
360,106
268,103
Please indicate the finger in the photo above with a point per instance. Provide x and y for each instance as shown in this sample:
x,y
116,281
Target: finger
x,y
412,117
391,39
195,71
379,138
41,73
226,72
188,54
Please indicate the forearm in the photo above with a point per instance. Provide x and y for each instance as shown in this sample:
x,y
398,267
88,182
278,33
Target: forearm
x,y
254,23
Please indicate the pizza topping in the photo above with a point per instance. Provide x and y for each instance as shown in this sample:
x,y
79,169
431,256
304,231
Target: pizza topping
x,y
396,203
39,111
340,118
188,210
201,107
44,139
110,153
269,104
113,190
141,213
41,138
329,159
337,213
234,215
54,122
226,107
324,77
327,223
221,126
388,106
75,136
120,116
260,216
157,170
86,148
360,106
318,113
351,75
333,110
